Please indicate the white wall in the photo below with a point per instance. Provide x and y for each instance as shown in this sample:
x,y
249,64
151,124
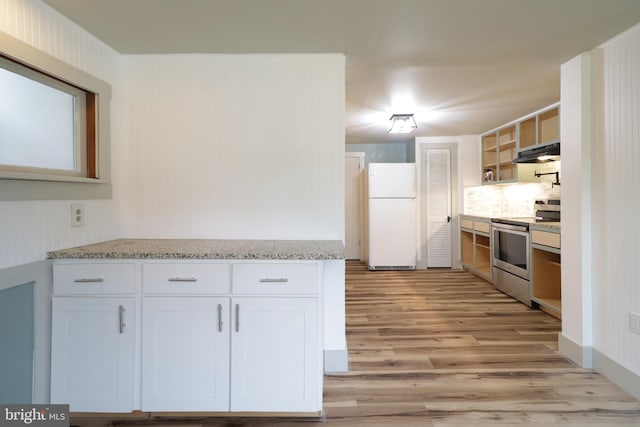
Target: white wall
x,y
233,146
470,161
239,147
182,166
577,322
29,229
616,202
600,128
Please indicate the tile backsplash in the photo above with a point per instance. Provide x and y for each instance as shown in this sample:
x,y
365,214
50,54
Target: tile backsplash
x,y
511,199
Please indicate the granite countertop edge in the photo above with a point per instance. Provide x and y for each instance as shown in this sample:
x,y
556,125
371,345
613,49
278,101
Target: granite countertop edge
x,y
205,249
473,216
546,226
555,225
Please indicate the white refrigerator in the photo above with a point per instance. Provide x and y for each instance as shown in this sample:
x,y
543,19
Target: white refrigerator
x,y
392,216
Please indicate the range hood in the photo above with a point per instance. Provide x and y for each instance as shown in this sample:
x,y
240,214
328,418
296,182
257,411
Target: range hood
x,y
546,153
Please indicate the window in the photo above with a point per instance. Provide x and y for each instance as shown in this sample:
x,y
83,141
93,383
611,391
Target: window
x,y
54,127
43,124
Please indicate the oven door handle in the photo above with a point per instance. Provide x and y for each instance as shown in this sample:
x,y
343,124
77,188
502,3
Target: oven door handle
x,y
508,227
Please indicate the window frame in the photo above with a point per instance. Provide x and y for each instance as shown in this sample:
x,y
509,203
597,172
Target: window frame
x,y
41,184
82,114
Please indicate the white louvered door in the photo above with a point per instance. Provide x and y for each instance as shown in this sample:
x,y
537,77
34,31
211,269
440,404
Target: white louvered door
x,y
438,207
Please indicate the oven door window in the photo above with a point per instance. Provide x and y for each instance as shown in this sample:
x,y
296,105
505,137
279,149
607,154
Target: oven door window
x,y
511,248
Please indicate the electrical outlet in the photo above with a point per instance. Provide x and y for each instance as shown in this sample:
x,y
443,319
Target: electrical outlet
x,y
634,322
77,215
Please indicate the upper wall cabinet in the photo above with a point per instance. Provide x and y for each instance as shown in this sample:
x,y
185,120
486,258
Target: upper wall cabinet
x,y
502,145
540,129
498,151
489,157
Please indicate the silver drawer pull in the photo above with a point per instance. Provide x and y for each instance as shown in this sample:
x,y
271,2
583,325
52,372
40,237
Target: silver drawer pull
x,y
278,280
183,279
121,311
237,317
220,322
90,280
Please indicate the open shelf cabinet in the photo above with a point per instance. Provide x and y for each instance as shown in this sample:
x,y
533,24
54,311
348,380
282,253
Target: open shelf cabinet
x,y
528,133
475,244
546,280
540,129
499,148
489,157
548,126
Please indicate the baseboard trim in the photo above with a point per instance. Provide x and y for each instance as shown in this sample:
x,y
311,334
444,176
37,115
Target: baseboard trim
x,y
583,356
623,377
590,358
336,361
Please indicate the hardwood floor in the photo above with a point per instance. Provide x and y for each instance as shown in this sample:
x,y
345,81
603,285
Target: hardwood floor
x,y
444,348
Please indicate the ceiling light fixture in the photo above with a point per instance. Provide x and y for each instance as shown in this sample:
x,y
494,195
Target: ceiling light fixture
x,y
402,123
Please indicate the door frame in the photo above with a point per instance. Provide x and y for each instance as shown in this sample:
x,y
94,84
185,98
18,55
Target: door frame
x,y
362,226
422,203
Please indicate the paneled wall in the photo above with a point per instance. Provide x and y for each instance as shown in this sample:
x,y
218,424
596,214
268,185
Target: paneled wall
x,y
616,201
233,146
600,104
29,229
215,146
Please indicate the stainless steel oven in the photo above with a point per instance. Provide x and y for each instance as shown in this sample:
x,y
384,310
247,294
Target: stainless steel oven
x,y
511,248
510,258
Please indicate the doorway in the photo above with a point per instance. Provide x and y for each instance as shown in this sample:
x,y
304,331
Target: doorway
x,y
354,202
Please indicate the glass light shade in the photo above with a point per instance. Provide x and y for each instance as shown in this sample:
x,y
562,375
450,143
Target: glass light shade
x,y
402,123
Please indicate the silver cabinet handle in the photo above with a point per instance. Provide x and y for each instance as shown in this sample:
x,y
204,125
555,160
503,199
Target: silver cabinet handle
x,y
183,279
237,317
90,280
220,322
121,311
277,280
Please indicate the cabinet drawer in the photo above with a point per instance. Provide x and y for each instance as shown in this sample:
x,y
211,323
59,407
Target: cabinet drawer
x,y
482,226
276,278
185,278
94,279
466,223
545,238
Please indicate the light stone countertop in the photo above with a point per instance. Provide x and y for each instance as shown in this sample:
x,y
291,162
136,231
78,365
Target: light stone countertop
x,y
546,225
551,226
478,217
205,249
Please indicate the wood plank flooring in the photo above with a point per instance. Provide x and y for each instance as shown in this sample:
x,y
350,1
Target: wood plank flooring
x,y
444,348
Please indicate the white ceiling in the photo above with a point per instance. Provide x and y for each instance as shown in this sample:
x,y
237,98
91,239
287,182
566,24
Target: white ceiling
x,y
461,66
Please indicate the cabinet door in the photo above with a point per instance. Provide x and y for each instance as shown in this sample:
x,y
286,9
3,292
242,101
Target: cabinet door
x,y
185,354
93,353
276,364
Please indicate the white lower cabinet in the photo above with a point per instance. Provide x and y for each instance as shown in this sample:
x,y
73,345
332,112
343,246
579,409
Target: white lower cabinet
x,y
185,353
275,355
215,336
93,341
